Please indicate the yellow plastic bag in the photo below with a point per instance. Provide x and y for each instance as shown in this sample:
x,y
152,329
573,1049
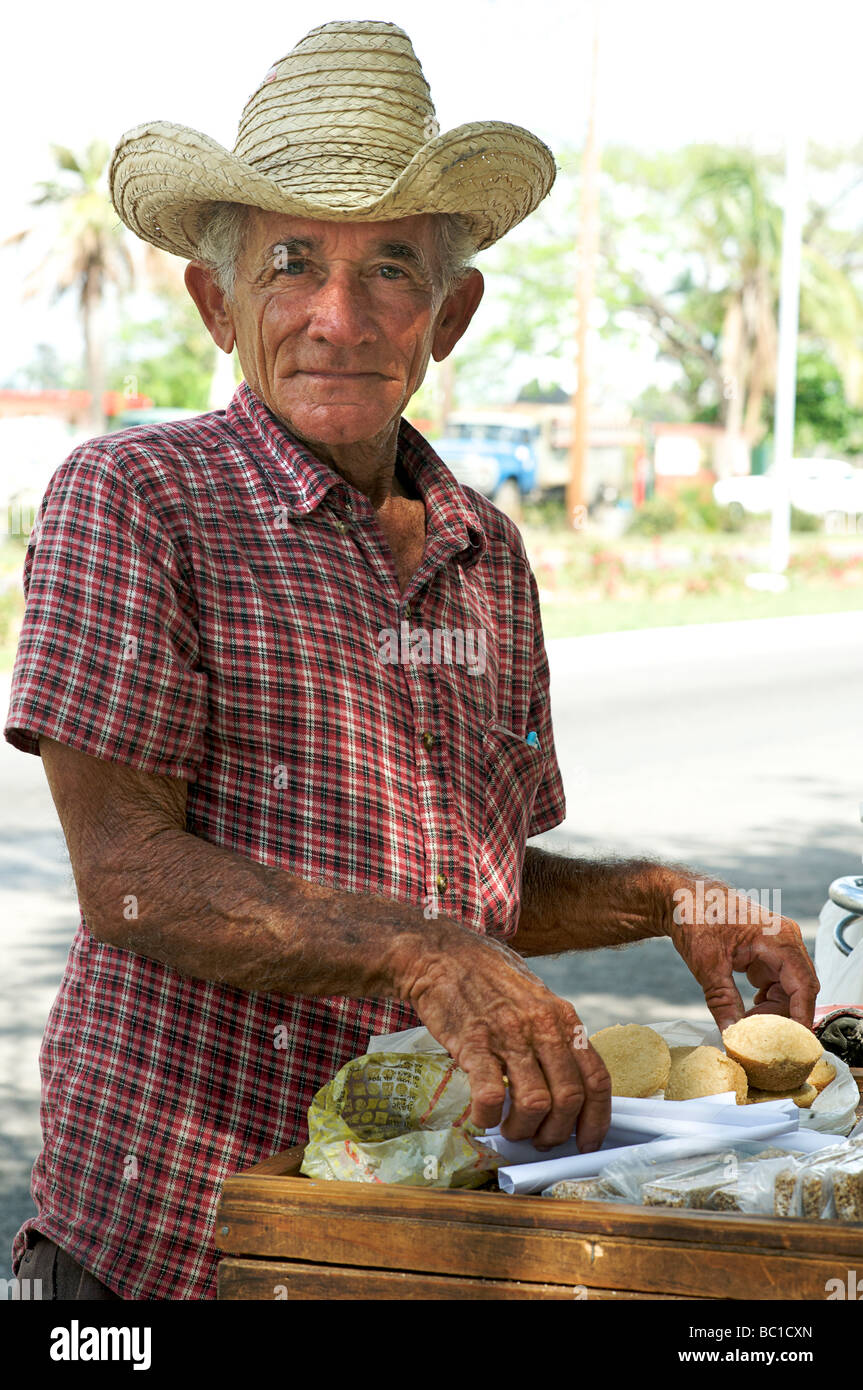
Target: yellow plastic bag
x,y
394,1117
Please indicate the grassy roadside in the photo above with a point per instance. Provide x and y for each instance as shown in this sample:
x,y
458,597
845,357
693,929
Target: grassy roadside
x,y
589,586
580,616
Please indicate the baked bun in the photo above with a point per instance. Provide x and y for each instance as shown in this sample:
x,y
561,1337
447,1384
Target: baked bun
x,y
637,1058
776,1053
821,1074
801,1095
704,1071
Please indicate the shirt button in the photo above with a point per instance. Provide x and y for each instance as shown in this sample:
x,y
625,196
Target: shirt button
x,y
408,610
441,883
339,524
428,741
348,507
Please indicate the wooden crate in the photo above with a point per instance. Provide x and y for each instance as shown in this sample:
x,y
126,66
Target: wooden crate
x,y
287,1236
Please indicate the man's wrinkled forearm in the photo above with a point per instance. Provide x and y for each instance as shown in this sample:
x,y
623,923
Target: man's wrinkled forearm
x,y
584,904
213,914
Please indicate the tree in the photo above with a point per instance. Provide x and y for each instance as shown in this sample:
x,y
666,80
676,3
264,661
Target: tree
x,y
690,247
824,418
45,371
709,287
525,326
170,358
89,253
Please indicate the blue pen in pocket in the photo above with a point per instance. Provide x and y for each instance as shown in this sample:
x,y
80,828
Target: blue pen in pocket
x,y
532,739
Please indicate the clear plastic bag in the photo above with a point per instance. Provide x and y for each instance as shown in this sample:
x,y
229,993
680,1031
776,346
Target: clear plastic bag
x,y
583,1190
704,1181
848,1183
807,1188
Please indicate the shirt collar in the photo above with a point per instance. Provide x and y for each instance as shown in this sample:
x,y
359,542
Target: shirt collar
x,y
306,482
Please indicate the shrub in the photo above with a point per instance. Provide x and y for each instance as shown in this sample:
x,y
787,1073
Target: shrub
x,y
655,518
804,521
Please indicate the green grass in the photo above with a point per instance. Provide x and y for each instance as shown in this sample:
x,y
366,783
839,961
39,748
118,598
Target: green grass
x,y
573,614
578,617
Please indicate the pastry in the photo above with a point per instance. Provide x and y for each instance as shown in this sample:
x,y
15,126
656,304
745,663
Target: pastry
x,y
821,1074
704,1071
803,1096
637,1058
776,1053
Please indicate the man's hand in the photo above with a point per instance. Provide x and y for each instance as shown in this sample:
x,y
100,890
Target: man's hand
x,y
213,914
498,1020
738,935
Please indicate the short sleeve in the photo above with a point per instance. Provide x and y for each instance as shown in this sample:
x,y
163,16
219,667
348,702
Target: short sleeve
x,y
549,808
107,659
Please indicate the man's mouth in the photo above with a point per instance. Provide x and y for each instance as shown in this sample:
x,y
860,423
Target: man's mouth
x,y
334,376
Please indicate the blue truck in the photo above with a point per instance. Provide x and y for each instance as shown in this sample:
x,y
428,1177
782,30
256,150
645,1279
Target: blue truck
x,y
506,455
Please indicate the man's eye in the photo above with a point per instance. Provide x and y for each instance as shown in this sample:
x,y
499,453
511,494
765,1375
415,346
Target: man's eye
x,y
391,272
295,267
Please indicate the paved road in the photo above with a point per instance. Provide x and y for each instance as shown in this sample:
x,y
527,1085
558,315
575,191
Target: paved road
x,y
733,747
727,747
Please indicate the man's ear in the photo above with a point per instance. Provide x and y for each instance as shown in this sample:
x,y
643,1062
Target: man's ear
x,y
211,304
456,313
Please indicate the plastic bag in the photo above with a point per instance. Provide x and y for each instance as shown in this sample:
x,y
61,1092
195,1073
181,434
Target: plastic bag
x,y
705,1181
827,1184
806,1188
582,1190
848,1184
754,1192
395,1117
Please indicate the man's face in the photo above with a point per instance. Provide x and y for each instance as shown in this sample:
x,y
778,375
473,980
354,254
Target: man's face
x,y
335,322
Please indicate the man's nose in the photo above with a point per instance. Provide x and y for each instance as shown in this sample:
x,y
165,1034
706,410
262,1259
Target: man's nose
x,y
340,313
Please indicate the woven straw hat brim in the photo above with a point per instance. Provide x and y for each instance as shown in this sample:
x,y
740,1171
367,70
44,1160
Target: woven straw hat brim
x,y
162,176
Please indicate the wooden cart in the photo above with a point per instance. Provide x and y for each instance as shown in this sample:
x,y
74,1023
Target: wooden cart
x,y
287,1236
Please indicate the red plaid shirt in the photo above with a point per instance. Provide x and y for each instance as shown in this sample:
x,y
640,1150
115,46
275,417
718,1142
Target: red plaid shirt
x,y
207,600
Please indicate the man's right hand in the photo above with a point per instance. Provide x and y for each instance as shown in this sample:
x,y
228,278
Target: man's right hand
x,y
498,1020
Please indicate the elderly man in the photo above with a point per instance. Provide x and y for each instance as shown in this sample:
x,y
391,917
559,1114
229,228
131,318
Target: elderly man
x,y
276,833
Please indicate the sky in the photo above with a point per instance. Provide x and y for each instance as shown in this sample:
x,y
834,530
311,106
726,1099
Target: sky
x,y
671,72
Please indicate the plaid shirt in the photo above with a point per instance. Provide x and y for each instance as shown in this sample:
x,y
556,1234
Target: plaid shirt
x,y
206,600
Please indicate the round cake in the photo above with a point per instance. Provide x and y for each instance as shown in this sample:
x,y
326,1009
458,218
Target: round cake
x,y
776,1053
801,1095
821,1074
704,1071
637,1059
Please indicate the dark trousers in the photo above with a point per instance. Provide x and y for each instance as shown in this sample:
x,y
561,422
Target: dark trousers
x,y
62,1277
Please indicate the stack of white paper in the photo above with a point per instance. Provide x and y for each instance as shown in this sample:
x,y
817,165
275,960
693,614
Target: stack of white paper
x,y
688,1126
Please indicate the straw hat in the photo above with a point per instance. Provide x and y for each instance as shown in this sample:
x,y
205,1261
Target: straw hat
x,y
342,129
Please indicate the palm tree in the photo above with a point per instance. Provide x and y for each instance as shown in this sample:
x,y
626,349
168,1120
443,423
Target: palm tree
x,y
89,253
717,315
737,226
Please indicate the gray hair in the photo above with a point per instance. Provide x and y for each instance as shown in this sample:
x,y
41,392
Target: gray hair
x,y
222,236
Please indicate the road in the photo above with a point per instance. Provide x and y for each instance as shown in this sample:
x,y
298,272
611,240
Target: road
x,y
734,748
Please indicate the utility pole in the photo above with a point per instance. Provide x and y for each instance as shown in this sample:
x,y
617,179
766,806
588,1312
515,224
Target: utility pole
x,y
588,240
786,363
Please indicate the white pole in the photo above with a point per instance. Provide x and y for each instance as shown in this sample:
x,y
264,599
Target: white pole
x,y
786,364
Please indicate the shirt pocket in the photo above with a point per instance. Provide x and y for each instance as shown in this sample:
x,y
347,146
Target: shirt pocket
x,y
513,774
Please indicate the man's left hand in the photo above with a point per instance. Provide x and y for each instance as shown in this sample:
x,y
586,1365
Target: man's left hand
x,y
741,936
